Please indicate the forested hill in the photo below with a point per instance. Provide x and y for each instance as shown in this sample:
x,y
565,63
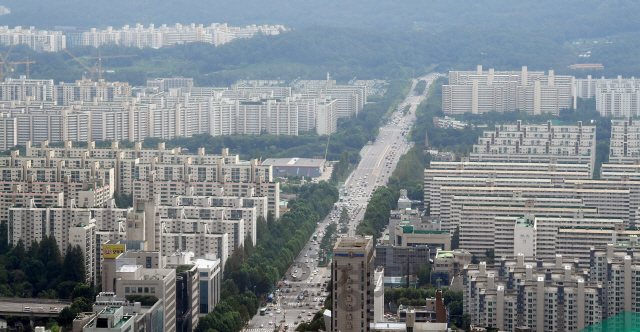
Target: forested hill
x,y
344,53
567,18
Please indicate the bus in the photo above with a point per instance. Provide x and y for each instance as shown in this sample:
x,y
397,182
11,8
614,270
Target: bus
x,y
263,311
315,237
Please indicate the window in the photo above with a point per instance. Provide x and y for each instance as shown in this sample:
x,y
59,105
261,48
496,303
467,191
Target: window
x,y
153,290
126,290
146,289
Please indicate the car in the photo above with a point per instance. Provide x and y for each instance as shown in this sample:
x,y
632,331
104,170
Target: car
x,y
261,325
309,314
270,322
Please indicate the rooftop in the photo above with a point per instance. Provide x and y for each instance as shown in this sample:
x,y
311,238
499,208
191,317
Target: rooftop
x,y
294,162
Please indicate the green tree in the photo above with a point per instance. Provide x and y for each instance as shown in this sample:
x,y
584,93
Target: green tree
x,y
424,274
455,239
491,256
73,266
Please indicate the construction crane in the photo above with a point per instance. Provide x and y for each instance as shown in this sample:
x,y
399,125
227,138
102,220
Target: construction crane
x,y
91,71
2,64
100,57
22,62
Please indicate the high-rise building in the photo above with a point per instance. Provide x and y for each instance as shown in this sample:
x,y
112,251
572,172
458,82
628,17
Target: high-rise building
x,y
38,40
485,91
159,283
352,275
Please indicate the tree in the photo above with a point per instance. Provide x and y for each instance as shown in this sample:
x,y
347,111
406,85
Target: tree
x,y
491,256
73,266
455,239
424,274
474,259
82,290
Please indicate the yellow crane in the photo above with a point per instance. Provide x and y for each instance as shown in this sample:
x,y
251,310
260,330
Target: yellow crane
x,y
23,62
2,64
91,71
100,57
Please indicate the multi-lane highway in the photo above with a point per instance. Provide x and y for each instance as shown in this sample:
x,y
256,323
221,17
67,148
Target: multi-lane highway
x,y
302,294
381,157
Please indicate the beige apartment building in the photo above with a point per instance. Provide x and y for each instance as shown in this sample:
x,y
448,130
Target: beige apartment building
x,y
536,295
556,144
160,283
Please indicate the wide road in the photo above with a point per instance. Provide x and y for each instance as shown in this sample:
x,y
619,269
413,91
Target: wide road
x,y
373,170
382,156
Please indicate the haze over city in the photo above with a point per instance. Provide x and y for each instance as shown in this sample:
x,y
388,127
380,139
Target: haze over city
x,y
337,166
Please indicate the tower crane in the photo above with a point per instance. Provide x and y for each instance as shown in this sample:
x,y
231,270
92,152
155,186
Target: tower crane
x,y
91,71
22,62
100,57
2,64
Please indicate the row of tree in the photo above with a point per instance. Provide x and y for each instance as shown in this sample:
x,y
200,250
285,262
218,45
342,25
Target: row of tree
x,y
257,268
39,271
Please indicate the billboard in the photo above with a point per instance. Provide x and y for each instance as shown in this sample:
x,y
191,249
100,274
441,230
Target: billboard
x,y
112,250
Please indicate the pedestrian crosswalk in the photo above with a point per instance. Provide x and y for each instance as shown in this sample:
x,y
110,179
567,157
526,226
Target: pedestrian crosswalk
x,y
255,330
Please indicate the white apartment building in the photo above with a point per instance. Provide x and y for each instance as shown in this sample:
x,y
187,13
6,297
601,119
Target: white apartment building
x,y
84,236
164,84
38,40
164,190
327,117
350,99
540,235
26,90
615,97
482,230
625,141
559,144
577,242
542,295
165,35
481,91
200,242
8,132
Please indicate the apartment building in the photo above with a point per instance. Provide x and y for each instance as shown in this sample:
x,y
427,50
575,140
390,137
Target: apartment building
x,y
250,192
550,143
350,99
165,84
165,35
480,91
482,230
546,236
200,242
84,235
615,97
327,116
535,295
37,40
625,141
577,241
352,272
